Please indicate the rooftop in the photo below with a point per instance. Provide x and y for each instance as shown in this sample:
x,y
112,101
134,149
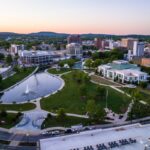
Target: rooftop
x,y
37,53
92,138
131,72
121,65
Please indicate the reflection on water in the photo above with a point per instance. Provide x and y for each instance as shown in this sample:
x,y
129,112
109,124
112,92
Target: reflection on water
x,y
78,65
39,85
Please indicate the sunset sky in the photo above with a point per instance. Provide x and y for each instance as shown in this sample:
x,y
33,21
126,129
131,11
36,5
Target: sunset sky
x,y
75,16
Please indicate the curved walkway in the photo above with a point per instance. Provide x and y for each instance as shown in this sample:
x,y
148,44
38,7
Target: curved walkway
x,y
39,113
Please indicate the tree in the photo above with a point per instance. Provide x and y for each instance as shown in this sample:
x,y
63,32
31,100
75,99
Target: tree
x,y
136,95
1,78
3,114
49,116
61,64
2,56
99,115
19,114
83,90
79,77
97,62
71,62
61,114
16,69
95,55
143,84
90,108
9,59
100,92
139,110
88,63
4,44
85,77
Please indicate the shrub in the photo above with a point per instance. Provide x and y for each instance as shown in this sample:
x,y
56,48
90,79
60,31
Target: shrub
x,y
3,114
143,84
61,114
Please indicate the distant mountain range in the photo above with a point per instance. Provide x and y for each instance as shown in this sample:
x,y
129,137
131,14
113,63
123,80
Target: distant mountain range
x,y
64,35
44,34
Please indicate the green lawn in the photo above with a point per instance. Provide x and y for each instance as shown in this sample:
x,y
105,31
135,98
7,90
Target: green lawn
x,y
144,93
139,110
60,71
10,121
16,78
103,80
70,98
17,107
67,122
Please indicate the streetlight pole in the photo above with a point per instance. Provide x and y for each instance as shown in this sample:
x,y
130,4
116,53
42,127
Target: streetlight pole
x,y
106,99
27,137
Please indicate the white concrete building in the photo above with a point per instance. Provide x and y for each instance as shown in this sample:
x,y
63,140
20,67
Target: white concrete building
x,y
123,71
36,58
138,48
74,50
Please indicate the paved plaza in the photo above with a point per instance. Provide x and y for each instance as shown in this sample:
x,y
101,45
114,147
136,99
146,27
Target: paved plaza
x,y
31,121
91,138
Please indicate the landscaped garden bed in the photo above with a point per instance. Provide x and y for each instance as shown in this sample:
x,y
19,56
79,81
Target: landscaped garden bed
x,y
17,107
8,120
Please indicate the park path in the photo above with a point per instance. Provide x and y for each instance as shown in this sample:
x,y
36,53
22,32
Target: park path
x,y
114,118
37,115
39,109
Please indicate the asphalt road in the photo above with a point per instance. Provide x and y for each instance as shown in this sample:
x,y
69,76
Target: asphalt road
x,y
21,137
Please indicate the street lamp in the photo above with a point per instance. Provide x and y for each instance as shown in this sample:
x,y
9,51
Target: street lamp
x,y
27,137
107,99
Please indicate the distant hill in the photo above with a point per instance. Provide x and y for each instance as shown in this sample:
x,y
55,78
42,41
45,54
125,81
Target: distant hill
x,y
64,35
49,34
8,34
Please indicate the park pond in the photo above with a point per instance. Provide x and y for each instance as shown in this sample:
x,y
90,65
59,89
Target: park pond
x,y
37,86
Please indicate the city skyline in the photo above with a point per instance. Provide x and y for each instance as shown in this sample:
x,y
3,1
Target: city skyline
x,y
75,17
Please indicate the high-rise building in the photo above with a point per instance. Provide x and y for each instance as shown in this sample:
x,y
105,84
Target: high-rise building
x,y
74,50
111,44
138,48
15,48
128,43
74,39
99,43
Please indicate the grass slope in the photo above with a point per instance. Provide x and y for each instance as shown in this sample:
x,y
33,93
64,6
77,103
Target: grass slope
x,y
15,78
17,107
60,71
68,121
70,99
9,121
